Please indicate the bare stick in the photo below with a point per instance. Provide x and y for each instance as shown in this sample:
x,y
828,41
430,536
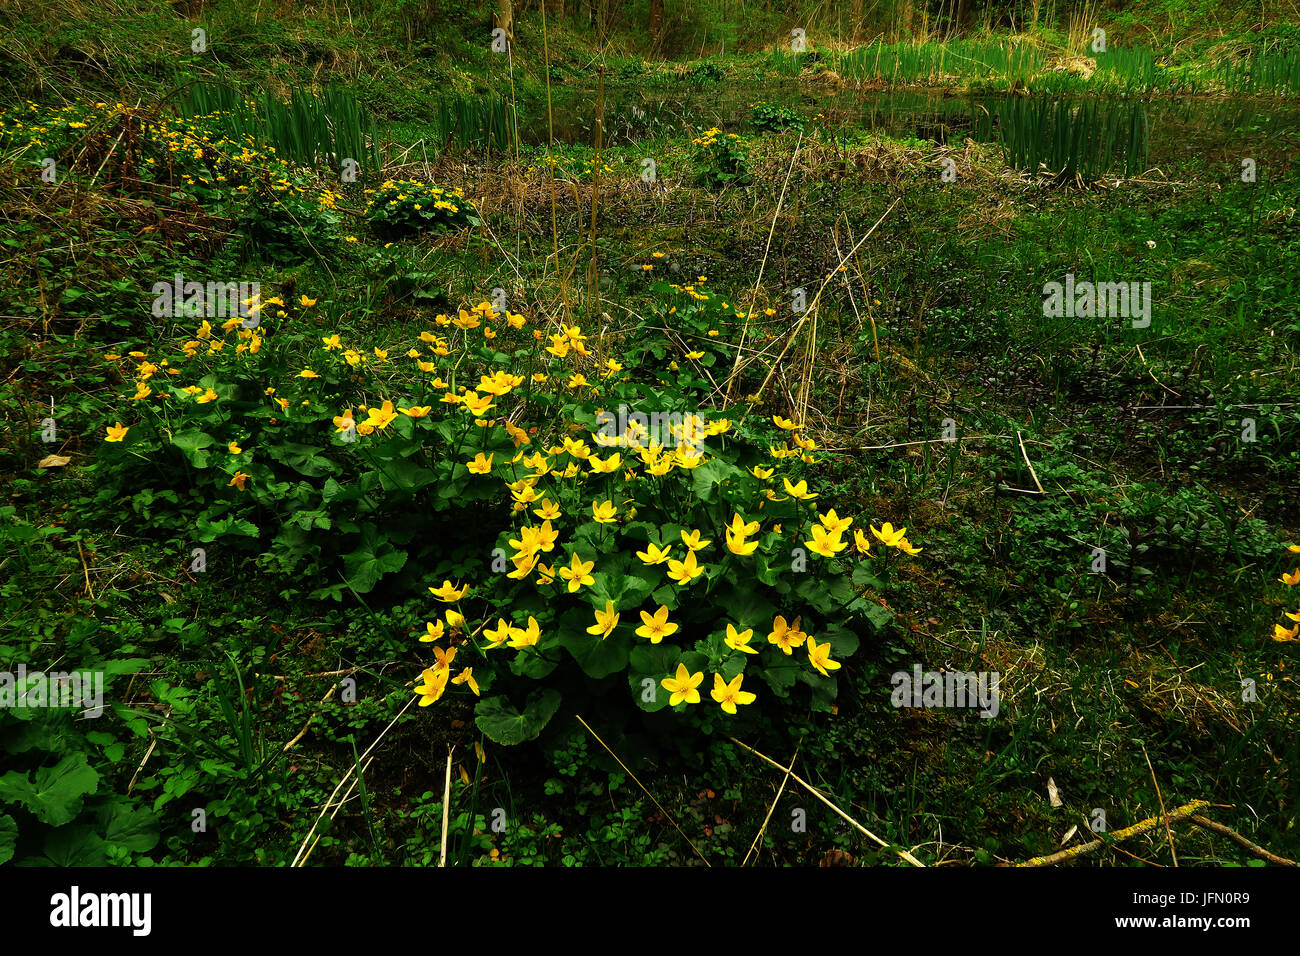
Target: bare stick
x,y
647,792
844,816
744,331
1241,841
1169,834
299,859
446,806
780,790
1033,474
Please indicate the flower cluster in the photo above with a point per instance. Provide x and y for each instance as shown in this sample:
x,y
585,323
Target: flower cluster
x,y
404,206
667,552
1290,579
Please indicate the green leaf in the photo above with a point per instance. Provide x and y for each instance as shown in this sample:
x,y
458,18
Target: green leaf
x,y
844,643
375,558
405,476
530,663
747,608
192,444
8,838
304,459
780,674
502,723
878,617
212,530
134,828
710,475
652,662
77,845
57,793
598,657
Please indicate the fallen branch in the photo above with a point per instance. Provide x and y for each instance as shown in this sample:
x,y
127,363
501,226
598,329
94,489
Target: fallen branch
x,y
1241,841
1118,836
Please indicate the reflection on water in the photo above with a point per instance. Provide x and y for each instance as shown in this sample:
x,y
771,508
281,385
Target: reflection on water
x,y
1177,127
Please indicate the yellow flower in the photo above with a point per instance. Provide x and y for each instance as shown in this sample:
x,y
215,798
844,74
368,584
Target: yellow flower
x,y
860,539
606,620
434,632
739,640
1292,578
480,465
307,373
657,626
345,422
604,512
737,532
653,554
799,491
906,546
606,465
448,592
888,534
234,449
443,659
435,683
826,543
332,341
455,620
416,411
730,694
683,686
786,636
578,573
820,656
693,542
834,523
547,509
117,432
467,677
498,636
1282,634
684,572
525,637
478,405
207,396
305,302
784,423
761,473
239,480
381,417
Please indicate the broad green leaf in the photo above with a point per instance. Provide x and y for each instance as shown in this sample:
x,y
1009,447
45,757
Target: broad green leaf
x,y
8,838
504,724
135,828
76,845
710,475
56,793
652,663
192,444
598,657
372,560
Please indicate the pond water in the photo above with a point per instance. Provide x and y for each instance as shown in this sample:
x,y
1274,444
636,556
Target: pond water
x,y
1212,128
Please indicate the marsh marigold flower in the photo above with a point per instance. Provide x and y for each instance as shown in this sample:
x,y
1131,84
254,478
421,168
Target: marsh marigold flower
x,y
683,686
